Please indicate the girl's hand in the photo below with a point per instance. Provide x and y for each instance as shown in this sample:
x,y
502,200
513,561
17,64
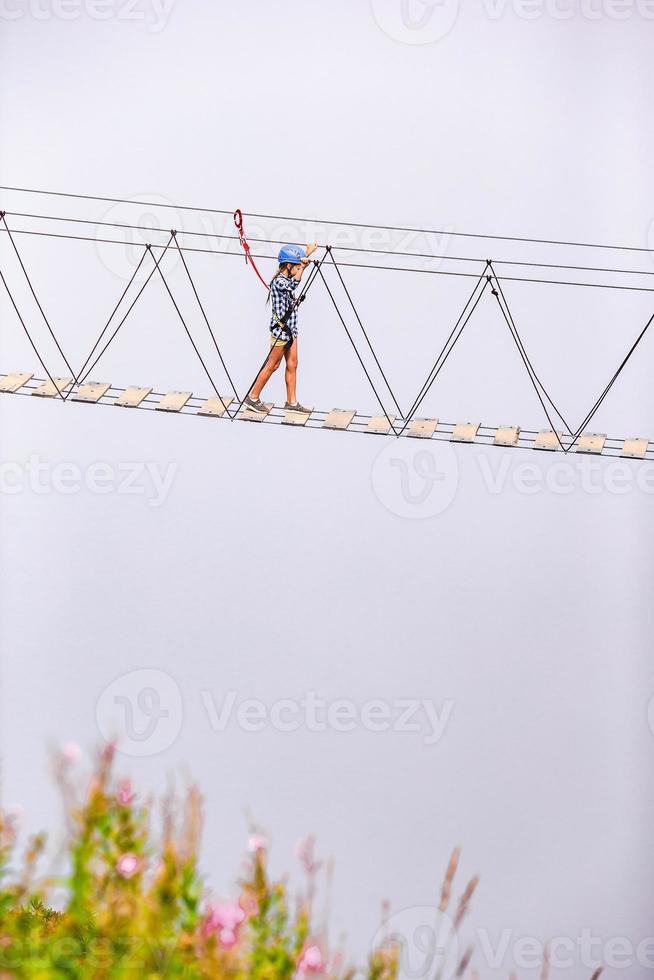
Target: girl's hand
x,y
311,248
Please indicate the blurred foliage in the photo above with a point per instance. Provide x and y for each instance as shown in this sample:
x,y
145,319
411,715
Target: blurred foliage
x,y
133,903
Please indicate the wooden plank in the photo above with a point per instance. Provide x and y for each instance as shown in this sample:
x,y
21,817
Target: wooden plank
x,y
296,418
251,416
507,435
132,397
547,440
465,432
635,448
591,442
50,389
174,401
12,382
380,424
91,392
422,428
339,418
215,407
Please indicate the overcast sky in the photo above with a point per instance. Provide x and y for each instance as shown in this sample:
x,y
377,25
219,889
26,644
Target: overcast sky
x,y
456,638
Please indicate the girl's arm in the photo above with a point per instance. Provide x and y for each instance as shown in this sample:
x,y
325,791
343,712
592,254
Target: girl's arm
x,y
311,248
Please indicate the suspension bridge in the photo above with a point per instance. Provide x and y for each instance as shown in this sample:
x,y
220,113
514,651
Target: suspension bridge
x,y
224,401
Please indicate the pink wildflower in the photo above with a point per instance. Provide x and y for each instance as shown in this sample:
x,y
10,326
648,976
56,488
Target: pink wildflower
x,y
127,865
305,850
256,843
223,919
71,753
249,904
125,794
311,962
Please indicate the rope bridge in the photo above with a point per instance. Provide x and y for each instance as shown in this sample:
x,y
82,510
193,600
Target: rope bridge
x,y
392,420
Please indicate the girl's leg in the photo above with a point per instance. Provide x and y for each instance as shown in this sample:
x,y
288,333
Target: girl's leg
x,y
291,372
269,368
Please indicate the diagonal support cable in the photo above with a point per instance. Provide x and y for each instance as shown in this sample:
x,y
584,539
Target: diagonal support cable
x,y
36,299
148,247
574,435
536,389
29,337
190,337
608,387
356,351
363,330
535,385
508,316
113,312
206,318
448,347
435,367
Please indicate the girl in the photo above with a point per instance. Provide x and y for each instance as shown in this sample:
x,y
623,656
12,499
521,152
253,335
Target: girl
x,y
293,260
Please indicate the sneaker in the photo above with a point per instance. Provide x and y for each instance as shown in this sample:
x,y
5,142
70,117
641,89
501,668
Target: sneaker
x,y
290,407
254,404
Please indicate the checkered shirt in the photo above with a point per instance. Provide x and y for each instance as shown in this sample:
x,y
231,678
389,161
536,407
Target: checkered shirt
x,y
282,299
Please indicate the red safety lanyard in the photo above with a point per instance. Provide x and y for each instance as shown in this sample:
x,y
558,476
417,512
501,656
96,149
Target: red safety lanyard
x,y
238,221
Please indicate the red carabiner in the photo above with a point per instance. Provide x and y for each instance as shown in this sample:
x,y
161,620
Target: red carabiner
x,y
238,221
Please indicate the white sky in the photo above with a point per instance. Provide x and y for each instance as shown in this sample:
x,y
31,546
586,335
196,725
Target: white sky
x,y
283,562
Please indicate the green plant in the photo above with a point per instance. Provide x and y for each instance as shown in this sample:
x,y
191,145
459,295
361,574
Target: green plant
x,y
135,906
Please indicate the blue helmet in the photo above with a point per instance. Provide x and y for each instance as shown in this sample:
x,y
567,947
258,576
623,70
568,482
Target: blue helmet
x,y
291,253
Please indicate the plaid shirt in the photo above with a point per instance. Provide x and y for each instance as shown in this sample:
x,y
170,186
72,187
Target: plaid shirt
x,y
282,298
